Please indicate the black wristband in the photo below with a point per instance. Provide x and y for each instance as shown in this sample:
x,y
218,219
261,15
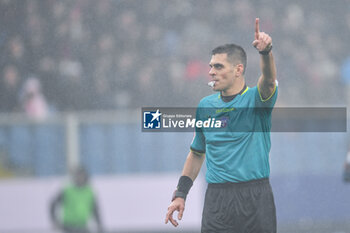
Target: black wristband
x,y
183,187
178,194
267,51
185,184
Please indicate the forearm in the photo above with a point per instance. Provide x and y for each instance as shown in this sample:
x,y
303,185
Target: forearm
x,y
267,80
190,172
268,67
193,165
97,214
53,208
53,213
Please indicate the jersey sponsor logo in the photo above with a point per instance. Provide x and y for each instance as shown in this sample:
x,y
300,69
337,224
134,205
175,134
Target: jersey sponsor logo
x,y
221,110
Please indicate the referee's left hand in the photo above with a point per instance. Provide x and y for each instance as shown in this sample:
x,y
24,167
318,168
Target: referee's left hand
x,y
179,205
262,41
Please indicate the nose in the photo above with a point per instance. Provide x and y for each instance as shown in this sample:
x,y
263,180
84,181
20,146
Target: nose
x,y
212,72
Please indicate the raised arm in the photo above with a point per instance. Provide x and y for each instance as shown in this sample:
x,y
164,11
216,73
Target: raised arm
x,y
267,81
190,171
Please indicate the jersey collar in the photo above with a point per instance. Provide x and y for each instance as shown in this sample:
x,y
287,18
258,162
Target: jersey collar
x,y
231,97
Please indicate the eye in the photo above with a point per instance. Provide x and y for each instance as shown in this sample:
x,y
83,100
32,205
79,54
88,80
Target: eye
x,y
218,66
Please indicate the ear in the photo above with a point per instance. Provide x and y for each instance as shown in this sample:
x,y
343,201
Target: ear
x,y
239,70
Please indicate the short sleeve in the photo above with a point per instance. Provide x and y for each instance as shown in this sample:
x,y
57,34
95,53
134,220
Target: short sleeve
x,y
268,102
198,142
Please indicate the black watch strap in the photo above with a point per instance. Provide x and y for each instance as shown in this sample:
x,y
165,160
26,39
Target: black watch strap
x,y
266,51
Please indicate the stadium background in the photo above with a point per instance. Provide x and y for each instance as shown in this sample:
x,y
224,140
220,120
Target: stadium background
x,y
75,74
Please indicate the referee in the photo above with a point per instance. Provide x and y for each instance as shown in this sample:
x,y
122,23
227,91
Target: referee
x,y
239,197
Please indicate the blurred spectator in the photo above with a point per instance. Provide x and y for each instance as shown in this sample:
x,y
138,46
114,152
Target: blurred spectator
x,y
78,203
16,51
33,101
196,69
75,92
109,44
9,89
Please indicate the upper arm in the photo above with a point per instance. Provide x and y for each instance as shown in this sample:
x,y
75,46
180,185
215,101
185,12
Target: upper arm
x,y
198,141
266,87
266,103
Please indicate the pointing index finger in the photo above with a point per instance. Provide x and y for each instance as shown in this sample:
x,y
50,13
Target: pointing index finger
x,y
257,30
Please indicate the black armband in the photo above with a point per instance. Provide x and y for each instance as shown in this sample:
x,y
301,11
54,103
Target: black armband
x,y
183,187
267,51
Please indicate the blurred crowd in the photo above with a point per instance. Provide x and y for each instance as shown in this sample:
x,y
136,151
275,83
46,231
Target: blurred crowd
x,y
114,54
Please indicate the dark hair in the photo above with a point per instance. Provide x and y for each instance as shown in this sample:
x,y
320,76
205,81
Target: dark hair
x,y
235,54
80,175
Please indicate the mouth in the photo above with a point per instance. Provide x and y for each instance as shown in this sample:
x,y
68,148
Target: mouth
x,y
211,84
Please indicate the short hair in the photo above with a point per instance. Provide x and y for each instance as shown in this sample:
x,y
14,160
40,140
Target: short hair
x,y
235,53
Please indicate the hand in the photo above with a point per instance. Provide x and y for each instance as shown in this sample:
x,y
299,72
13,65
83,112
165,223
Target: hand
x,y
262,40
179,205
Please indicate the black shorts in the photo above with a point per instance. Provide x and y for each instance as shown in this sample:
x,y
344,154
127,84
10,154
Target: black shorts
x,y
246,207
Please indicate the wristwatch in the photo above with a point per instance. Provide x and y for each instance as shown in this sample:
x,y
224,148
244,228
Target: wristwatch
x,y
267,50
